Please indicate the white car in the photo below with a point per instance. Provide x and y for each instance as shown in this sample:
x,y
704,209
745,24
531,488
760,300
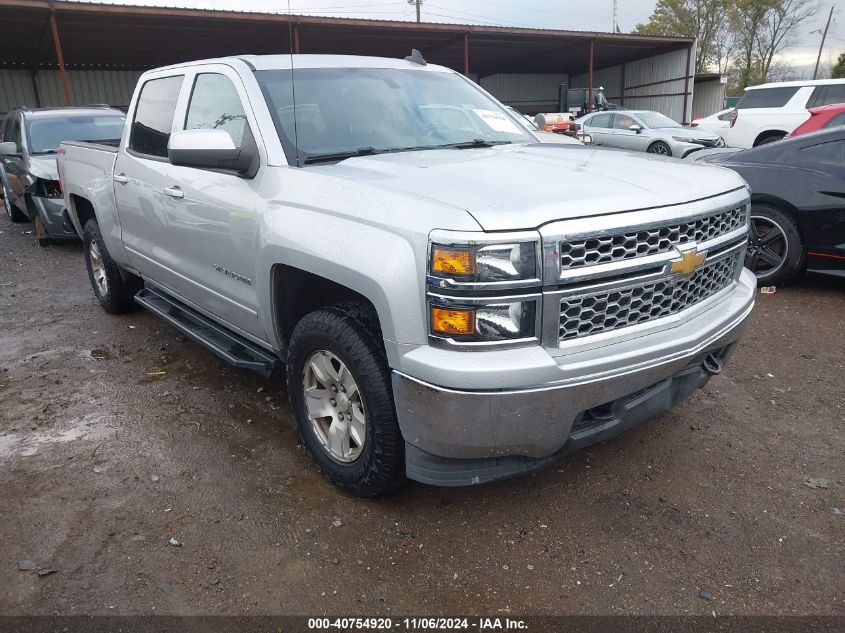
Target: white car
x,y
769,112
716,123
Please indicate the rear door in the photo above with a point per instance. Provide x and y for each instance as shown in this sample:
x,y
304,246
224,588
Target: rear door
x,y
141,175
213,223
598,126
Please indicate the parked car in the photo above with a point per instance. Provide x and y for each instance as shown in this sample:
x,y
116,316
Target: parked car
x,y
646,131
29,140
544,137
797,204
715,123
822,118
769,112
437,318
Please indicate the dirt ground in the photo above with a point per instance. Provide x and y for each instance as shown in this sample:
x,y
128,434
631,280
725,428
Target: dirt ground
x,y
117,435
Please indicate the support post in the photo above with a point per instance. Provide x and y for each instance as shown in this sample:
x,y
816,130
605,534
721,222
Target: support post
x,y
466,54
61,59
686,85
590,101
296,38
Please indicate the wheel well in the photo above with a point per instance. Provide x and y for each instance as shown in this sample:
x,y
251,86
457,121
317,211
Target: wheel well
x,y
781,205
84,209
776,134
297,292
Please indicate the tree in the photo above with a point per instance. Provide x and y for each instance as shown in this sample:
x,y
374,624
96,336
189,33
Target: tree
x,y
838,71
747,18
777,31
700,19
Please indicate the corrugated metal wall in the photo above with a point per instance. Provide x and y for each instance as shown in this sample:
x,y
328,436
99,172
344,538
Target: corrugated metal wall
x,y
653,83
528,93
709,97
113,87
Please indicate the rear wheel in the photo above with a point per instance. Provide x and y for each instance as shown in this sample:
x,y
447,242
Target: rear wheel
x,y
339,388
660,148
115,290
775,251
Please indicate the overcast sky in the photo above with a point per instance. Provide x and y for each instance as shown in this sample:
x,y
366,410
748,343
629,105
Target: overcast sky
x,y
565,14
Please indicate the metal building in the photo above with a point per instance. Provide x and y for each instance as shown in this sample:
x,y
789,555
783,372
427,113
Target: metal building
x,y
56,53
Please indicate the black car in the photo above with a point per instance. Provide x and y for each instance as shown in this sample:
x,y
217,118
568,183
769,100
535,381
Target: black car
x,y
797,204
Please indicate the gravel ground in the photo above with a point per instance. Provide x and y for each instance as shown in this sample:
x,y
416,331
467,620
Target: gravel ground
x,y
117,435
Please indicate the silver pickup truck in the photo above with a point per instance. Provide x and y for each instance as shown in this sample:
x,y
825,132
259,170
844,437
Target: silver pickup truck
x,y
450,300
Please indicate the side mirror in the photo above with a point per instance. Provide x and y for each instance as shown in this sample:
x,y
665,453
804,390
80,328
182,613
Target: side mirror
x,y
9,149
209,149
635,128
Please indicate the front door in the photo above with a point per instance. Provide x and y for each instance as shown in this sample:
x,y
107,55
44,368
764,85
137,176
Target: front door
x,y
212,223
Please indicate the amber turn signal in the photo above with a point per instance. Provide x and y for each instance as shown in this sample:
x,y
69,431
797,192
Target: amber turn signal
x,y
449,261
445,321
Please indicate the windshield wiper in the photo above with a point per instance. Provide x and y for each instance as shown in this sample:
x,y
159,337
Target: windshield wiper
x,y
327,158
477,142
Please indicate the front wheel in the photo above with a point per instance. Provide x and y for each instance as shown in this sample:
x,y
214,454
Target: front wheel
x,y
775,251
339,388
660,148
114,292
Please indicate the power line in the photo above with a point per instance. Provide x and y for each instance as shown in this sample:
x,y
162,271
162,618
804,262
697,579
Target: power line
x,y
476,15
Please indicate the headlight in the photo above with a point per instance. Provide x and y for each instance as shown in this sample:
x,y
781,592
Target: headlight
x,y
684,139
470,263
48,188
488,321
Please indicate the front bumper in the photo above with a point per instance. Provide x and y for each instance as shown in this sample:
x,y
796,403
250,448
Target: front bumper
x,y
55,220
459,436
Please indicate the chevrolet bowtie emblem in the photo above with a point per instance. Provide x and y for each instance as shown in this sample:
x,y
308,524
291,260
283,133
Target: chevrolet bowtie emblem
x,y
690,260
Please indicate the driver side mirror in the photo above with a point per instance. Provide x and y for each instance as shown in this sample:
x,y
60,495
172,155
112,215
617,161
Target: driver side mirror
x,y
9,149
211,149
635,128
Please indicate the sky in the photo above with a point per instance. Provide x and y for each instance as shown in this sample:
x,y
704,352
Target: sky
x,y
596,15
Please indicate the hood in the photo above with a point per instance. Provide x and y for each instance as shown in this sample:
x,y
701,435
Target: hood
x,y
525,186
44,167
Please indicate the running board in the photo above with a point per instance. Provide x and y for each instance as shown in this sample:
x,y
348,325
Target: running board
x,y
234,349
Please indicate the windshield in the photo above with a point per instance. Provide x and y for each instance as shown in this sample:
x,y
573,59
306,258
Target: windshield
x,y
657,120
523,120
46,133
370,110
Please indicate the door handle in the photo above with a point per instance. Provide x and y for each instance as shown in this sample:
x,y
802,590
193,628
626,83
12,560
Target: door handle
x,y
174,192
121,178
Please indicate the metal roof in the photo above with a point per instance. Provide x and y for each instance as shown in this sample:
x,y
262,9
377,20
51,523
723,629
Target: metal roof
x,y
125,36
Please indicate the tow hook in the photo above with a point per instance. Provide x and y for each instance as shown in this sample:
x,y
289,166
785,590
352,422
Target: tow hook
x,y
712,365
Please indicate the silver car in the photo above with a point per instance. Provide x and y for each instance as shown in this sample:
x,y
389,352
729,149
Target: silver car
x,y
646,131
29,180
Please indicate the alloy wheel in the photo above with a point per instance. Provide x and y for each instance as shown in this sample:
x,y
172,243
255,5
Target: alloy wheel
x,y
335,407
767,248
659,149
98,269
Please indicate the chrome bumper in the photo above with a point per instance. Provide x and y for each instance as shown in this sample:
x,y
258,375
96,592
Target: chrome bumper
x,y
462,430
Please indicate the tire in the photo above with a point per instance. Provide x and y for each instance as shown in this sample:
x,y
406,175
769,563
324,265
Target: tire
x,y
660,148
769,138
113,290
344,343
41,234
775,252
11,211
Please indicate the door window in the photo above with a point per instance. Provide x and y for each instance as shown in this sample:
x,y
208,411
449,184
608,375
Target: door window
x,y
623,122
835,121
600,120
726,116
825,95
154,116
215,105
766,98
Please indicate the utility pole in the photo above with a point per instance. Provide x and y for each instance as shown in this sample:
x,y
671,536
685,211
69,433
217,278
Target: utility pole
x,y
417,3
821,46
615,15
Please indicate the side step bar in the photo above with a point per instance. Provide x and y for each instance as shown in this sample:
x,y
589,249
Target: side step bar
x,y
232,348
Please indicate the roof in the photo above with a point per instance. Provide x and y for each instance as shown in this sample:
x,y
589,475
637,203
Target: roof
x,y
799,83
282,62
44,113
119,36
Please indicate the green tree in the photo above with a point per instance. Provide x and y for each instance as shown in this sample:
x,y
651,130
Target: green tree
x,y
700,19
838,71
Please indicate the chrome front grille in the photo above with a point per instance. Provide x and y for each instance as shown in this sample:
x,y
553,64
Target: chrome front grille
x,y
590,251
602,310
